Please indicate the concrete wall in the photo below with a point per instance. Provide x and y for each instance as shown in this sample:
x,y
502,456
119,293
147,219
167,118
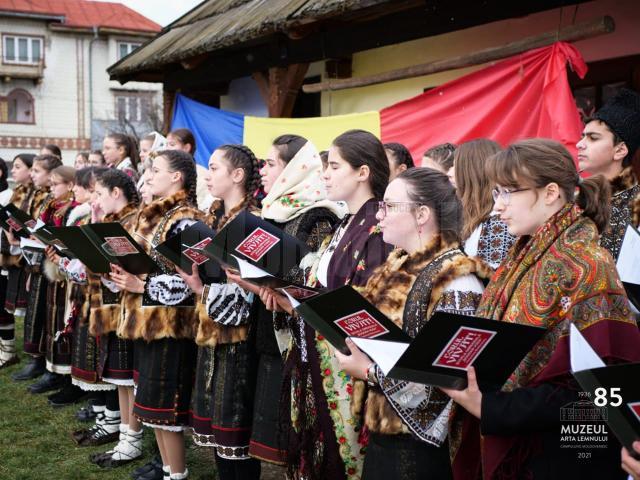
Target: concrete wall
x,y
62,97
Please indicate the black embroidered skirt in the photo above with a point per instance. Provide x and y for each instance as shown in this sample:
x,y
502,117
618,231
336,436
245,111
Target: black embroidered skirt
x,y
226,387
58,350
165,379
6,318
16,289
116,360
34,318
403,456
84,357
267,430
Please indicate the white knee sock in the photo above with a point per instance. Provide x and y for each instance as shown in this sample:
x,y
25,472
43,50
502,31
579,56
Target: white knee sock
x,y
129,446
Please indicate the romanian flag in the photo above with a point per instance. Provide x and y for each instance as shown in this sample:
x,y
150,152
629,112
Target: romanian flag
x,y
524,96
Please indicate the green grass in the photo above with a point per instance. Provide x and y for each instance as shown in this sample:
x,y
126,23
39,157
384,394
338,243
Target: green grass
x,y
35,441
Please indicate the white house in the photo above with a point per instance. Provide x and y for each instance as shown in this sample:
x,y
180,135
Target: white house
x,y
54,87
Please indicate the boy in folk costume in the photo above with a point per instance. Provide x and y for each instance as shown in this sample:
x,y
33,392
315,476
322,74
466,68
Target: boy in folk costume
x,y
609,141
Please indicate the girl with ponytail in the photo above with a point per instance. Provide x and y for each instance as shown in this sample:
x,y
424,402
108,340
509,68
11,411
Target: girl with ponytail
x,y
101,360
556,275
226,360
121,151
159,311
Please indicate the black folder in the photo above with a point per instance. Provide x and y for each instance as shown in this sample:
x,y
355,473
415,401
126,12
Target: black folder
x,y
98,245
624,420
184,249
443,350
262,245
16,220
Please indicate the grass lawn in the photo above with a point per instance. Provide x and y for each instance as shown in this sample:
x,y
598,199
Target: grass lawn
x,y
35,441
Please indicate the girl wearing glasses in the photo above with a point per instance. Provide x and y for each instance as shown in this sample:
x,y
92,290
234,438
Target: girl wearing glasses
x,y
484,234
556,275
428,272
324,439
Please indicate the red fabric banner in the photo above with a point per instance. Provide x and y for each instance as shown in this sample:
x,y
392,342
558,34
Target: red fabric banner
x,y
524,96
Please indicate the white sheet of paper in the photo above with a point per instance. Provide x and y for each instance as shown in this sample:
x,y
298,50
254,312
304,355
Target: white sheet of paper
x,y
628,263
583,357
385,354
247,270
27,242
293,301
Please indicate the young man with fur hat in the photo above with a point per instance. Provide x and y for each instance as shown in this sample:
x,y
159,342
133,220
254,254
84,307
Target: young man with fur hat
x,y
609,141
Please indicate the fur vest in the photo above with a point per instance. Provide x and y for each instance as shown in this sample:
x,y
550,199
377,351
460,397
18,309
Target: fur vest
x,y
104,305
389,288
155,322
209,332
20,197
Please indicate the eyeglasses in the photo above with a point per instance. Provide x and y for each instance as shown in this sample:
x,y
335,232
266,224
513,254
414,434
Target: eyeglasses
x,y
505,194
396,206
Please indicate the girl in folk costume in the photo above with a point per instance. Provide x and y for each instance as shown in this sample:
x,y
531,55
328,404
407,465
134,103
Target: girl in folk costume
x,y
295,202
324,439
225,378
555,276
57,336
8,355
36,284
111,363
73,316
121,151
85,372
427,273
159,309
485,236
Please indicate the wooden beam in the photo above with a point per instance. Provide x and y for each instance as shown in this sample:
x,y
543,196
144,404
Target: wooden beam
x,y
168,98
280,86
572,33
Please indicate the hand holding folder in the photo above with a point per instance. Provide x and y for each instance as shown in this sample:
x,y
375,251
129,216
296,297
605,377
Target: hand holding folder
x,y
439,355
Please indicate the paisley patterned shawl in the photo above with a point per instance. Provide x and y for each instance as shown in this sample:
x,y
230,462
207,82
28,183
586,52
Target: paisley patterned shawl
x,y
556,277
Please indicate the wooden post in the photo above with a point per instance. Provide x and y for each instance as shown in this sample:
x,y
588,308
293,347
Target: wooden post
x,y
568,34
280,86
168,98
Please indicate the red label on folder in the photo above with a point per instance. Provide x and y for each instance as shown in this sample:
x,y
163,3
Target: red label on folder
x,y
299,293
635,408
257,244
15,226
120,246
463,348
361,324
197,257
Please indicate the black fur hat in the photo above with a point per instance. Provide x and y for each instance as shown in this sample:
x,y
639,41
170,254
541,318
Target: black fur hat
x,y
622,114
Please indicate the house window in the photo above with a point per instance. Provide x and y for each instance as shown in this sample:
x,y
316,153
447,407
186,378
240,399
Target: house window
x,y
134,106
17,107
125,48
21,50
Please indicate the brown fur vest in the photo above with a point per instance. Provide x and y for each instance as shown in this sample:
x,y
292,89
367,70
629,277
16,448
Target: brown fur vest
x,y
388,289
157,322
211,333
20,197
103,317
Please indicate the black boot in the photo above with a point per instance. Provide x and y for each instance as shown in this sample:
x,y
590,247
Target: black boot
x,y
155,465
49,381
33,369
69,395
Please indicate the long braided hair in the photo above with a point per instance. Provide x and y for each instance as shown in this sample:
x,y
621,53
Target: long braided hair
x,y
111,178
241,156
182,162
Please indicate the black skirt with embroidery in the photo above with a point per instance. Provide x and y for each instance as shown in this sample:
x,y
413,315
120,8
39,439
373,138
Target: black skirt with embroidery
x,y
16,289
165,380
222,407
35,315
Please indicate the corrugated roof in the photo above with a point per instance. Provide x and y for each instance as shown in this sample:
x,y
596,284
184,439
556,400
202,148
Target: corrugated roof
x,y
216,24
84,13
